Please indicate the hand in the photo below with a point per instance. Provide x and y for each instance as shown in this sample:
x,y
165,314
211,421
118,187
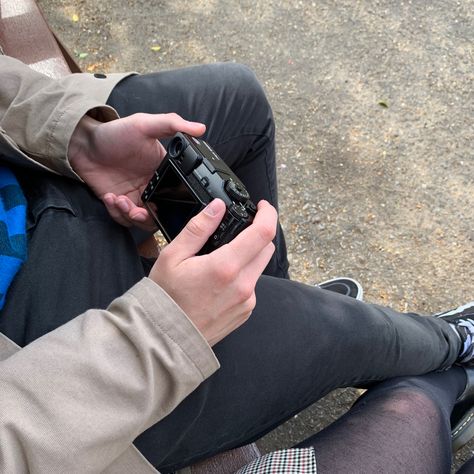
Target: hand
x,y
217,290
117,159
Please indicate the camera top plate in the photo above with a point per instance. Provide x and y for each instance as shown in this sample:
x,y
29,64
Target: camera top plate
x,y
200,160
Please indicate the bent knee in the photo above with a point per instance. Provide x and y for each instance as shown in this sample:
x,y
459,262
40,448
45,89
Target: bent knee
x,y
411,402
242,80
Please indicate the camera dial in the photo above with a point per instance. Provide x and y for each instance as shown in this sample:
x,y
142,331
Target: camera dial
x,y
236,191
238,211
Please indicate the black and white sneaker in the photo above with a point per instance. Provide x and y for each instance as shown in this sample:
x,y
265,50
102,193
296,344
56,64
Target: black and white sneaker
x,y
461,320
344,286
462,417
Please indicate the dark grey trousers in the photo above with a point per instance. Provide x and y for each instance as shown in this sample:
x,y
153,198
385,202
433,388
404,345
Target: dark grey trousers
x,y
300,343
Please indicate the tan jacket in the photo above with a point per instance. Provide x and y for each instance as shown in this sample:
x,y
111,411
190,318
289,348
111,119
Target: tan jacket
x,y
74,400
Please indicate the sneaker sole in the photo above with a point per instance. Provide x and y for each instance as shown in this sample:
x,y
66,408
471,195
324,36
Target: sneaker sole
x,y
464,431
360,290
457,310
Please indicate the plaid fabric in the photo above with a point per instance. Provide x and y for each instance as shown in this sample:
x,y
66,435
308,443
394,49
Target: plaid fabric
x,y
285,461
12,230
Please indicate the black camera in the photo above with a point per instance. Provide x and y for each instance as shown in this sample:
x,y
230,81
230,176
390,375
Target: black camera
x,y
189,178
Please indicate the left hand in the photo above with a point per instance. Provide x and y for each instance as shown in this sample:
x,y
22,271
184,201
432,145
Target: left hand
x,y
116,159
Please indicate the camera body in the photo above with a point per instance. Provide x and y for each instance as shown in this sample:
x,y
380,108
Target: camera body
x,y
191,175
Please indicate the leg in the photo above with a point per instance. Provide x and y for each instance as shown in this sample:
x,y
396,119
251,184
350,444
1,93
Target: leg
x,y
299,344
402,425
231,102
78,258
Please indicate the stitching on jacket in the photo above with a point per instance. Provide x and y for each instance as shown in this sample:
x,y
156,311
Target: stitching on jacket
x,y
165,333
53,130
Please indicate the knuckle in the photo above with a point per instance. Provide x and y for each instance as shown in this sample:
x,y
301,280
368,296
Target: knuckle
x,y
173,116
267,233
194,227
139,116
244,292
250,303
227,273
140,121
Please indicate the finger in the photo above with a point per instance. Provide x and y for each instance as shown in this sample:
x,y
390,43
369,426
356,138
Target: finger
x,y
244,309
166,125
247,275
251,241
109,201
197,231
133,214
123,204
142,218
255,268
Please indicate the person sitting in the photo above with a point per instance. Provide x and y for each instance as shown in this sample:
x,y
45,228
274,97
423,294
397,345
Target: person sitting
x,y
159,364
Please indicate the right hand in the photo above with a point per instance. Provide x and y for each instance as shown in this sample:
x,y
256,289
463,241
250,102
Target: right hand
x,y
116,159
217,290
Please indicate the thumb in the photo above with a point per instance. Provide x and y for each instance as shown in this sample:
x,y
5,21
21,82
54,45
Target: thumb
x,y
198,230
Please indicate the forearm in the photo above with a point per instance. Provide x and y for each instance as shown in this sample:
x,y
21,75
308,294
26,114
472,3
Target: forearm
x,y
40,114
85,391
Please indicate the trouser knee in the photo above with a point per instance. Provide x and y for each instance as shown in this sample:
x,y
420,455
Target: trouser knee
x,y
248,91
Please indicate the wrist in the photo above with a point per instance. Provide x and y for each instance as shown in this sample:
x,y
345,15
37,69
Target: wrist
x,y
80,148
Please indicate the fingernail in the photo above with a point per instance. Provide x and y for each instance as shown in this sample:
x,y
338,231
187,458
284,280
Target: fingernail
x,y
212,208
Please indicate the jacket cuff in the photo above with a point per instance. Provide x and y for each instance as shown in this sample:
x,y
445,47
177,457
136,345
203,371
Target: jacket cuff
x,y
98,87
169,319
64,127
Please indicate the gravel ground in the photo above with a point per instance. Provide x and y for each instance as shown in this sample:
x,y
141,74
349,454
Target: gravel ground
x,y
373,103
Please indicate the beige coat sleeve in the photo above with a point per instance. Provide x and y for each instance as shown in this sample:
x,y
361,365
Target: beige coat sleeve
x,y
38,114
74,400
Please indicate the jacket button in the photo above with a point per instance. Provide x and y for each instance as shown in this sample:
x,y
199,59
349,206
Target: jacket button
x,y
99,75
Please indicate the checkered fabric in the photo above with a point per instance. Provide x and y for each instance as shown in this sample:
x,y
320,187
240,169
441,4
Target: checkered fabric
x,y
285,461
